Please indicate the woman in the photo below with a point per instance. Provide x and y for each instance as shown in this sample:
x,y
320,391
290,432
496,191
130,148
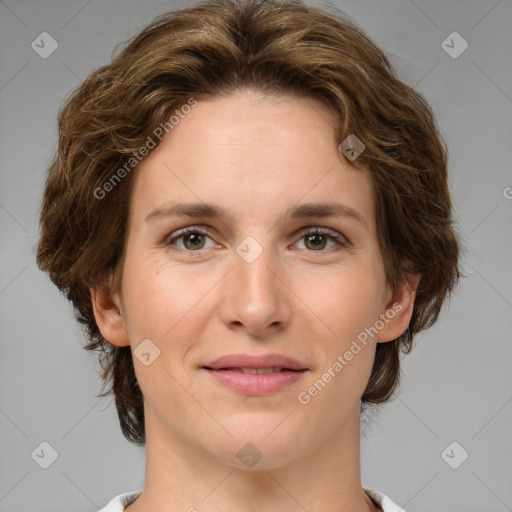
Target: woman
x,y
250,215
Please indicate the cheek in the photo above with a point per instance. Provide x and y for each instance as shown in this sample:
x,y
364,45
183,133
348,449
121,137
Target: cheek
x,y
161,305
345,305
344,300
166,305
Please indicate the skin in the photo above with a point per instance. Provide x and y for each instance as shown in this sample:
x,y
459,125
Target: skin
x,y
197,299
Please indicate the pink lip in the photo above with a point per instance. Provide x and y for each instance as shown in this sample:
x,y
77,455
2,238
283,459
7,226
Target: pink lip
x,y
227,371
248,361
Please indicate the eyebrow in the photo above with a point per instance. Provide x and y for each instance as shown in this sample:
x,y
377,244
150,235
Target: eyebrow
x,y
198,210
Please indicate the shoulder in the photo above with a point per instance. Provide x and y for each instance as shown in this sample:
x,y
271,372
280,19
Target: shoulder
x,y
383,501
121,501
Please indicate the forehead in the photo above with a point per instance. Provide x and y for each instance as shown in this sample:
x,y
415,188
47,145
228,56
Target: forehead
x,y
259,155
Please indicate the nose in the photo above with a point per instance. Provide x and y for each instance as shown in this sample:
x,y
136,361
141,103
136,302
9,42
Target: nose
x,y
256,299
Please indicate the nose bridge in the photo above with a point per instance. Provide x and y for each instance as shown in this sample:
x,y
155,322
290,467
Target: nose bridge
x,y
254,264
256,299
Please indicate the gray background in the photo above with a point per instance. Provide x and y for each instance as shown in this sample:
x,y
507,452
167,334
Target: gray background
x,y
457,383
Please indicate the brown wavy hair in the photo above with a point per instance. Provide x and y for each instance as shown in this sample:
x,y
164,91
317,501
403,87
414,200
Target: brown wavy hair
x,y
213,49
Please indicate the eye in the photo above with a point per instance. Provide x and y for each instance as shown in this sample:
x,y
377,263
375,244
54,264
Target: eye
x,y
316,239
193,238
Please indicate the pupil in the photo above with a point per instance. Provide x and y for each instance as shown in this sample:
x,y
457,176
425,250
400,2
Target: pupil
x,y
318,238
194,239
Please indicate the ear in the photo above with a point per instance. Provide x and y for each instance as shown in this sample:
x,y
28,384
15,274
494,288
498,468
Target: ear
x,y
398,308
109,316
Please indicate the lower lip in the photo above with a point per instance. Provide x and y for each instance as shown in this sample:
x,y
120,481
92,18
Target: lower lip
x,y
256,384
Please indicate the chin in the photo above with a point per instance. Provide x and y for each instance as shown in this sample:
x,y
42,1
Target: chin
x,y
254,448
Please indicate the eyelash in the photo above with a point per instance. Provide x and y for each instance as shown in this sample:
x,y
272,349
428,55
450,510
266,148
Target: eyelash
x,y
337,238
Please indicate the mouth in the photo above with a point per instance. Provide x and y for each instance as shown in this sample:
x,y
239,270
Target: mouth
x,y
268,363
254,371
255,375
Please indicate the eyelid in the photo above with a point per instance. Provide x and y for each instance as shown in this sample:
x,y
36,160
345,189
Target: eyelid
x,y
319,230
204,230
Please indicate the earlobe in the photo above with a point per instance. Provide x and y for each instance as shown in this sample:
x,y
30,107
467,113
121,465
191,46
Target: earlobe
x,y
398,309
109,318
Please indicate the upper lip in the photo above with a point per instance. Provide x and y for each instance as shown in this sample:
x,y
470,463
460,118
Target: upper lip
x,y
249,361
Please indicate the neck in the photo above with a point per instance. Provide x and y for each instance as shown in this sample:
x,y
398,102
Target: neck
x,y
180,475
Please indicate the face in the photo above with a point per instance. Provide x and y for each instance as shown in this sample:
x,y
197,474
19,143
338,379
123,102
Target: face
x,y
257,275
